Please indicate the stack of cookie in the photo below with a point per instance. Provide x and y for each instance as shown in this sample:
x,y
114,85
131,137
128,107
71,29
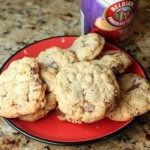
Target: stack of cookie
x,y
23,92
83,83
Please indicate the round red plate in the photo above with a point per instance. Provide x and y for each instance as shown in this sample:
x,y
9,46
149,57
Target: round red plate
x,y
49,129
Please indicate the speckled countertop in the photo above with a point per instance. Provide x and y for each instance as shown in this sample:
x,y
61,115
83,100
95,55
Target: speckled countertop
x,y
24,22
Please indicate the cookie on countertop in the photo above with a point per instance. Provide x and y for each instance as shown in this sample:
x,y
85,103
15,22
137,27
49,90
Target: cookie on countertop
x,y
21,89
134,98
56,57
85,91
115,60
48,75
87,47
50,105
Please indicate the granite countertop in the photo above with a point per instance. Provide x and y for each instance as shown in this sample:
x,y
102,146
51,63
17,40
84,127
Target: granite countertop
x,y
24,22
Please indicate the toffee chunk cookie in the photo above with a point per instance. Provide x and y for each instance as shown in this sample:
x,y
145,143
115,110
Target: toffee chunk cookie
x,y
21,89
115,60
56,57
48,75
87,47
134,98
85,91
42,112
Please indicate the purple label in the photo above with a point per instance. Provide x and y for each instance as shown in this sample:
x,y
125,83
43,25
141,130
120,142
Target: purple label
x,y
91,10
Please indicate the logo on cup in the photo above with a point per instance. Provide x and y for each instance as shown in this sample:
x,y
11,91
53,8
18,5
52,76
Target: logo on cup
x,y
121,13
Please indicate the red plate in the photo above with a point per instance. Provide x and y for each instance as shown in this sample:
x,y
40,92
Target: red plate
x,y
49,129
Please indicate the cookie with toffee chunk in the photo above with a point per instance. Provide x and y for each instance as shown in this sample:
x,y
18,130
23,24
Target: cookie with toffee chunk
x,y
56,57
87,47
85,91
115,60
134,98
21,89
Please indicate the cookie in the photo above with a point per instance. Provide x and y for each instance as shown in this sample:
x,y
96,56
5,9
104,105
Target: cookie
x,y
85,91
21,89
134,98
87,47
48,75
115,60
56,57
50,105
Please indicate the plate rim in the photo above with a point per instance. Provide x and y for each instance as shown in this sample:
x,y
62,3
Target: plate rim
x,y
59,143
